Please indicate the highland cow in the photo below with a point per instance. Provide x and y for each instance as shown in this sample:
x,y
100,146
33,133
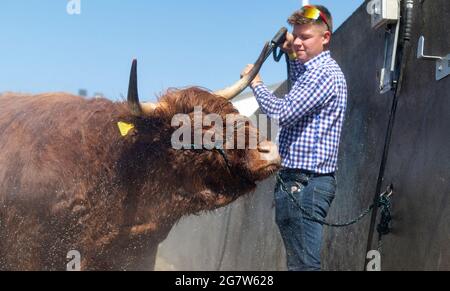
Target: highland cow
x,y
102,177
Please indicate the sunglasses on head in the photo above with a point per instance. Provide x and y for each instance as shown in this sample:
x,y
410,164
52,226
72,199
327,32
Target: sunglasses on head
x,y
312,12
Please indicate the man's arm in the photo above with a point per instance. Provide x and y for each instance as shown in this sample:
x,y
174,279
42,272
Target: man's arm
x,y
296,66
301,100
296,69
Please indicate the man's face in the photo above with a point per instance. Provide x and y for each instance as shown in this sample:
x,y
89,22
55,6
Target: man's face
x,y
309,41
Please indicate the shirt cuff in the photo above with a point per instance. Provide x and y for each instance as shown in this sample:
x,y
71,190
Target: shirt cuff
x,y
258,89
296,64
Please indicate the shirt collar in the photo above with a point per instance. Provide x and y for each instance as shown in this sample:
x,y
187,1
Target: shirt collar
x,y
319,60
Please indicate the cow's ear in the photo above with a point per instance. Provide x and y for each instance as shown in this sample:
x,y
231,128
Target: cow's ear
x,y
125,128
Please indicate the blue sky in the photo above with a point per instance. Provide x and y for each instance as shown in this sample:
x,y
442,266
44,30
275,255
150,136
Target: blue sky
x,y
177,43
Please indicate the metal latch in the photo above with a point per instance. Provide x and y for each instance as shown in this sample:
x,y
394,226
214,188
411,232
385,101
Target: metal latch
x,y
442,63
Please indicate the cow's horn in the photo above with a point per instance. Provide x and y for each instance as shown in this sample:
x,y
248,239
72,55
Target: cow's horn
x,y
236,89
137,108
133,96
148,107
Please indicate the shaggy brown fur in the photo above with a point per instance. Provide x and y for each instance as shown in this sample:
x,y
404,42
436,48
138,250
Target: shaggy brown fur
x,y
70,181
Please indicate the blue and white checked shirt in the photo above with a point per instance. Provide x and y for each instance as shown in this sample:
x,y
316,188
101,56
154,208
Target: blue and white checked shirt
x,y
310,116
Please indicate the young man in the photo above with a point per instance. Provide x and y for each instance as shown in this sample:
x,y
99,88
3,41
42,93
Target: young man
x,y
310,119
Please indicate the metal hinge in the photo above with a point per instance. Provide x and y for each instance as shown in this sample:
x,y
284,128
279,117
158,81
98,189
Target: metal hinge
x,y
442,63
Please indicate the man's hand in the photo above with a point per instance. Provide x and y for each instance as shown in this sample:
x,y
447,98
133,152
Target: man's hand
x,y
287,46
257,80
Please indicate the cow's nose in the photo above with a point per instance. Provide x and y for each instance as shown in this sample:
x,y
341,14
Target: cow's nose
x,y
269,152
265,147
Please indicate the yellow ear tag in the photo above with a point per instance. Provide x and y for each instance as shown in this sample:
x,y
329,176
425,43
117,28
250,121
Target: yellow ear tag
x,y
125,128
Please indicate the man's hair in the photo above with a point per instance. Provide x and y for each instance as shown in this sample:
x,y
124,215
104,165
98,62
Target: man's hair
x,y
298,18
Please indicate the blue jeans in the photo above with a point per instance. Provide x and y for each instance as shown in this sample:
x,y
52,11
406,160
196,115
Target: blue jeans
x,y
302,237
